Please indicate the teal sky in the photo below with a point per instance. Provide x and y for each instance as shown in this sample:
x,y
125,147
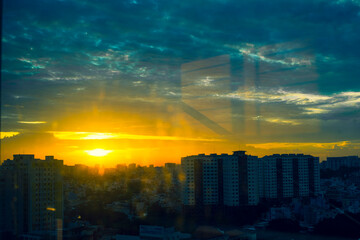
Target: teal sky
x,y
210,75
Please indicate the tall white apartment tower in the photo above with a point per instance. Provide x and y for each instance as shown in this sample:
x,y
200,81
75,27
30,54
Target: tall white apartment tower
x,y
221,180
33,197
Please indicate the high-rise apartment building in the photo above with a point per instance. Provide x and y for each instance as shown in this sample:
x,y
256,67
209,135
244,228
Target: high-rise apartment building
x,y
334,163
290,176
32,195
240,179
229,180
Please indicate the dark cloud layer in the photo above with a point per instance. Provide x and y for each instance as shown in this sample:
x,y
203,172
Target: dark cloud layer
x,y
66,55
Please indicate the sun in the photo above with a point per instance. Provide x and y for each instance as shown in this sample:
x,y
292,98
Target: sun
x,y
98,152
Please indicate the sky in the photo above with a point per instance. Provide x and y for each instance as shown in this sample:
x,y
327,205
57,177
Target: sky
x,y
148,82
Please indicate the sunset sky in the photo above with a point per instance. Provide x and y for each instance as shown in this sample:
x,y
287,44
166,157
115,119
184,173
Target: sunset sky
x,y
147,82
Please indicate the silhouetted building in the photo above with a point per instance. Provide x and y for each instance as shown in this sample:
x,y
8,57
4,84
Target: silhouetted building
x,y
170,166
132,166
31,195
240,179
334,163
290,175
230,180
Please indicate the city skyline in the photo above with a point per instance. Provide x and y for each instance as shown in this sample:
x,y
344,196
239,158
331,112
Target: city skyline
x,y
334,162
181,120
150,82
55,201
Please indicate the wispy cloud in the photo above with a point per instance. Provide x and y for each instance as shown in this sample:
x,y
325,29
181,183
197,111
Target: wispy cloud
x,y
310,102
32,122
266,54
314,110
290,61
303,145
34,63
100,136
277,96
278,120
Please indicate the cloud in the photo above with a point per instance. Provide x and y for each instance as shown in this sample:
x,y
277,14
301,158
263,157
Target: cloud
x,y
8,134
318,149
311,103
98,136
313,110
278,120
263,54
277,96
32,122
302,145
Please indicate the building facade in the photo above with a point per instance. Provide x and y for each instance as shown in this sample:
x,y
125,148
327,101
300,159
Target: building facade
x,y
240,179
221,180
290,176
33,199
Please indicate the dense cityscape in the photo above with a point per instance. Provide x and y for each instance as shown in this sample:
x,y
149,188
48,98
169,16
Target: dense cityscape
x,y
180,120
225,196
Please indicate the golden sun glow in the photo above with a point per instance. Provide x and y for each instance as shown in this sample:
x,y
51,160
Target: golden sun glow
x,y
98,152
100,136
